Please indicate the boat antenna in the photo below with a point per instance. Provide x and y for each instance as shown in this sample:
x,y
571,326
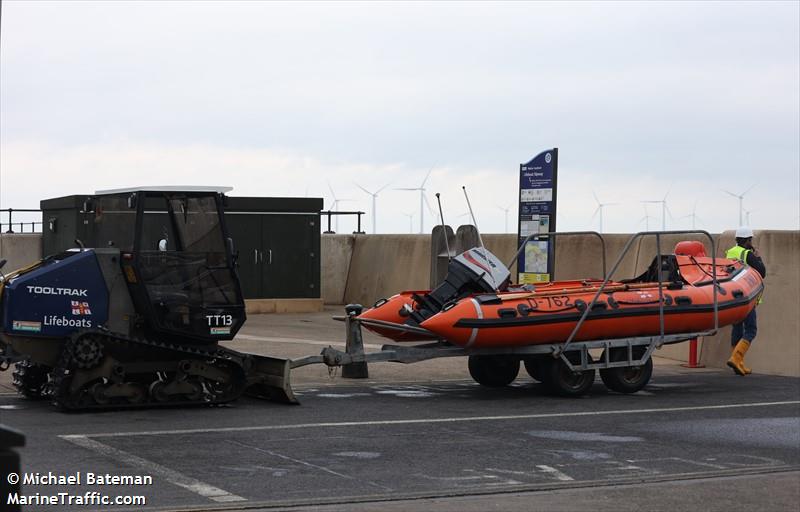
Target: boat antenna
x,y
444,227
475,223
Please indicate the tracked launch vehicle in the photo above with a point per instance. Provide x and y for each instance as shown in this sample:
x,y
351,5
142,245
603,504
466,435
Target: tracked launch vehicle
x,y
137,319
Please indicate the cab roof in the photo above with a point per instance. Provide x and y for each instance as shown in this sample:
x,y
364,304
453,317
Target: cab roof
x,y
176,188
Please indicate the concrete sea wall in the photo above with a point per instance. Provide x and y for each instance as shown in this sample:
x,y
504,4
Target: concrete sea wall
x,y
20,249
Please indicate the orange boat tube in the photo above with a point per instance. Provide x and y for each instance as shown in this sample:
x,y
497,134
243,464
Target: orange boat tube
x,y
624,309
395,310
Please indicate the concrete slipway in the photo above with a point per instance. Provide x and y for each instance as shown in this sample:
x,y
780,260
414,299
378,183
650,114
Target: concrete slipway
x,y
425,437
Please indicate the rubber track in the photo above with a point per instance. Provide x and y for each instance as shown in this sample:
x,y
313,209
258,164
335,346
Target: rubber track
x,y
30,379
62,378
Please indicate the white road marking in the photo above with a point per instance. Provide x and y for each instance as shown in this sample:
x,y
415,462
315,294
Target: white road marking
x,y
300,341
764,461
291,459
558,475
594,437
341,395
586,455
549,472
508,472
407,393
423,421
171,476
307,464
486,480
359,455
685,461
630,467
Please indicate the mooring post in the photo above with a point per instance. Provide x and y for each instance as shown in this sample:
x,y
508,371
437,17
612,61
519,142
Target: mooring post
x,y
10,484
355,344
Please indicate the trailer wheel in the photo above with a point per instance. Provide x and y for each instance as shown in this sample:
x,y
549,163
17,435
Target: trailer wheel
x,y
560,380
493,371
535,367
627,379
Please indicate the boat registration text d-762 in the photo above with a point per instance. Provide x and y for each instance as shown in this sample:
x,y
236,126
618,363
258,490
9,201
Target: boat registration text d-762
x,y
556,301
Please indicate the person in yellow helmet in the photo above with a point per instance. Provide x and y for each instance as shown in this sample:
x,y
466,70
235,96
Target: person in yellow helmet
x,y
744,332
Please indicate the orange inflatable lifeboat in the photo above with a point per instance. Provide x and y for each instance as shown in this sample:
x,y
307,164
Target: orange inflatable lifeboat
x,y
623,309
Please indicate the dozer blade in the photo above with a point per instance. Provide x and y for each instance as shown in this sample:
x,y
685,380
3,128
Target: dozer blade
x,y
270,378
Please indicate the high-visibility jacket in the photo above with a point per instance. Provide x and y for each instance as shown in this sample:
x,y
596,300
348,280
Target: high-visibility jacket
x,y
738,252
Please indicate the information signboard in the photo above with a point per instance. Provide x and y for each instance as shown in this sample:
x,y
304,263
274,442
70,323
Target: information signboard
x,y
537,214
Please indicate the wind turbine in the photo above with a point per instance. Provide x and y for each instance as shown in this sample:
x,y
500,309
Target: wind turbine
x,y
747,216
410,221
693,216
422,200
646,217
374,197
740,197
506,209
664,210
599,210
335,205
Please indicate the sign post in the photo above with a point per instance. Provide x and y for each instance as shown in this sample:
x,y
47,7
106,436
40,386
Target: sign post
x,y
537,214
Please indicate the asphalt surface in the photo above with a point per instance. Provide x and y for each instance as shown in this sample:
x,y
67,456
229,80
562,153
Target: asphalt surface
x,y
425,437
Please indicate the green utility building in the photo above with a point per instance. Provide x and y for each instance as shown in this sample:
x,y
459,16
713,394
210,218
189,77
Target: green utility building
x,y
277,240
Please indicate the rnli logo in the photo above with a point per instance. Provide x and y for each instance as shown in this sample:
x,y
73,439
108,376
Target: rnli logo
x,y
80,308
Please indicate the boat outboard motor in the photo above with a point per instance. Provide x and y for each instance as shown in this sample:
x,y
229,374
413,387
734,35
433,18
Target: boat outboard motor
x,y
475,270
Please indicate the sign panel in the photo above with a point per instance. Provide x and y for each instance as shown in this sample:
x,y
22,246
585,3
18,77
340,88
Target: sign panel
x,y
537,214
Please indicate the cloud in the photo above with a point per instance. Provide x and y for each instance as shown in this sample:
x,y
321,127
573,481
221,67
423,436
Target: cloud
x,y
279,98
65,170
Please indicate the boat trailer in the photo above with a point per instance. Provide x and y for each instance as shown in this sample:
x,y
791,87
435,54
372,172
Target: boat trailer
x,y
568,368
622,359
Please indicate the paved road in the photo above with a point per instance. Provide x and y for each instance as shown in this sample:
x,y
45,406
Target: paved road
x,y
424,436
689,440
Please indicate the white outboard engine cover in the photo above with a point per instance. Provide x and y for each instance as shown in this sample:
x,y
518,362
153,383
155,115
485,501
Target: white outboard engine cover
x,y
493,272
475,270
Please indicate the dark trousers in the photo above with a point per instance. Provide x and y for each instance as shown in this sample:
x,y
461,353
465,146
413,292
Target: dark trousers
x,y
746,329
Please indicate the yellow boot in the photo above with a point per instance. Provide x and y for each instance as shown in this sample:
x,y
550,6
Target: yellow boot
x,y
747,371
737,357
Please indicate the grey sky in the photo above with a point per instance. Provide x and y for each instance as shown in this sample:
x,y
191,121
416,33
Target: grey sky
x,y
280,98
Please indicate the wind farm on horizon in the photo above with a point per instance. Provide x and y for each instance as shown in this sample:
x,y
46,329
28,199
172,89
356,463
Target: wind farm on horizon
x,y
426,216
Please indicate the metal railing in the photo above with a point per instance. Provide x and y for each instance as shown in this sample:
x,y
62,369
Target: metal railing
x,y
628,245
22,224
330,213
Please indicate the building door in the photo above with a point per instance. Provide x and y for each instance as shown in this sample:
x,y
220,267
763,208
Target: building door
x,y
245,229
290,256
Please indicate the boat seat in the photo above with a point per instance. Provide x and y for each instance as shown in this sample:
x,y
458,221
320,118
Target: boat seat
x,y
668,270
690,248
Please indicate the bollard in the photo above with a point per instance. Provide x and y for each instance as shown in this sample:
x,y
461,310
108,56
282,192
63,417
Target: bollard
x,y
355,344
693,363
10,466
